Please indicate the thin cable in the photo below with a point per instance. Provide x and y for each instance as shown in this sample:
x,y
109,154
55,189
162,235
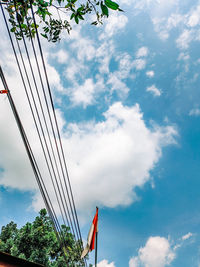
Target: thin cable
x,y
61,147
13,48
33,47
34,117
31,158
62,152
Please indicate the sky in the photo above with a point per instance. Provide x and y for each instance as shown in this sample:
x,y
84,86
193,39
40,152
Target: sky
x,y
128,103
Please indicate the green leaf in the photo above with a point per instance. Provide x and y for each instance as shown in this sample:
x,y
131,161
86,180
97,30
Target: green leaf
x,y
104,9
76,19
44,35
13,29
80,9
72,16
111,4
80,16
24,26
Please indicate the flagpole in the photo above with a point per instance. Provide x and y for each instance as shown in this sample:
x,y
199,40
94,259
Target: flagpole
x,y
96,243
96,250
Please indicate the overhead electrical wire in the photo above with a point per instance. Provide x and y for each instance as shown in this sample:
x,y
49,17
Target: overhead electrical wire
x,y
72,218
34,165
72,203
51,213
51,163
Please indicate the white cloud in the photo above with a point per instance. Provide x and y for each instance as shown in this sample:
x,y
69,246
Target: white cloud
x,y
194,112
194,17
142,52
115,23
91,154
91,147
83,94
93,163
157,252
75,70
125,65
150,73
187,236
118,86
139,64
61,56
154,90
84,49
54,78
104,54
105,263
185,39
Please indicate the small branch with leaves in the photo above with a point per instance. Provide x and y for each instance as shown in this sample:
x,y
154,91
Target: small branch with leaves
x,y
49,26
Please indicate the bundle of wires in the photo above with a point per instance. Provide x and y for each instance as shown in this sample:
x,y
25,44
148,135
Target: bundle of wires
x,y
46,124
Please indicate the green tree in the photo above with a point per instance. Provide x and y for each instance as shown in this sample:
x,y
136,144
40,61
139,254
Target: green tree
x,y
37,242
51,26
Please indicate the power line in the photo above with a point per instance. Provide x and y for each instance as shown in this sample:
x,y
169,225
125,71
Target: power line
x,y
59,137
34,165
61,157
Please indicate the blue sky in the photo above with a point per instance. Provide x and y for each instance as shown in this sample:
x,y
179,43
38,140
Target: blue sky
x,y
128,102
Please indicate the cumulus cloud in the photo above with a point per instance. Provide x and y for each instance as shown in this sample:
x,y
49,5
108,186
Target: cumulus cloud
x,y
61,56
91,155
139,64
185,39
157,252
150,73
114,24
83,94
105,263
125,65
98,176
154,90
118,86
142,52
193,17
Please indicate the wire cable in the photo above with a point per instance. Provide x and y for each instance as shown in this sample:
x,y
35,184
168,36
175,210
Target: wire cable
x,y
68,187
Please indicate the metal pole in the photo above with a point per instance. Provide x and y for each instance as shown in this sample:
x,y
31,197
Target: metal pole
x,y
96,241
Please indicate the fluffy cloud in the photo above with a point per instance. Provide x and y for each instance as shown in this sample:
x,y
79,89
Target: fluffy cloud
x,y
118,86
150,73
61,56
83,94
139,64
157,252
193,17
104,263
91,147
142,52
154,90
185,39
114,23
91,155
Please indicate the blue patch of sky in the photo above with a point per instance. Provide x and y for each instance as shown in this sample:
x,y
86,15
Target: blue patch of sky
x,y
15,206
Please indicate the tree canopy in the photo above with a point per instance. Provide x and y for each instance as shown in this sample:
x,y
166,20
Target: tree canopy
x,y
37,242
26,16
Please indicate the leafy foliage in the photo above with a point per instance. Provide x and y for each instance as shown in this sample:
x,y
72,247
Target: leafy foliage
x,y
37,242
51,26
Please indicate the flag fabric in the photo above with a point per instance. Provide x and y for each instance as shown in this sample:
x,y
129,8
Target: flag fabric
x,y
91,236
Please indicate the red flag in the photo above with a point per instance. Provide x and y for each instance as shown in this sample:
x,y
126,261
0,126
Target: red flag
x,y
3,91
91,236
